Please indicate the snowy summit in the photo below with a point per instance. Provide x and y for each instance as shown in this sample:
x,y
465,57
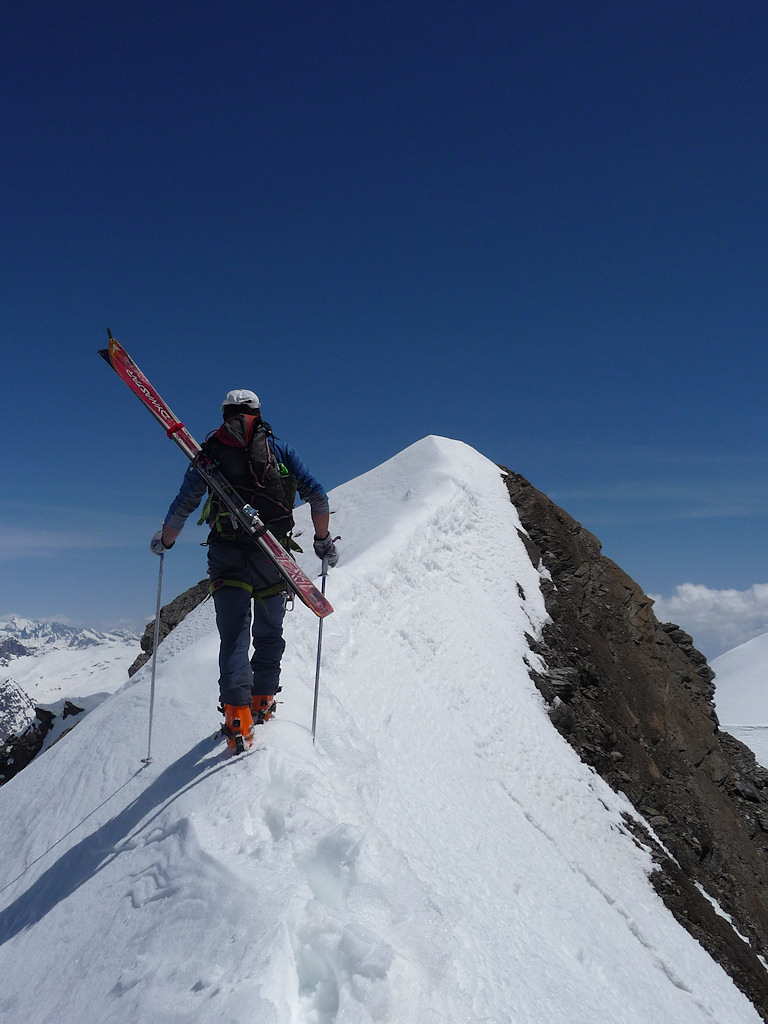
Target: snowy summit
x,y
742,685
441,855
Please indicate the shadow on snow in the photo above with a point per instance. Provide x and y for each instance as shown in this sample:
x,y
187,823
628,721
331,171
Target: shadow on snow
x,y
97,850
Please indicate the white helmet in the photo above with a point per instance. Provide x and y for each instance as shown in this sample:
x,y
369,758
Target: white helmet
x,y
241,396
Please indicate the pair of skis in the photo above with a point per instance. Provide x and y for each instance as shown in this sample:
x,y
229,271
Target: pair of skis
x,y
298,582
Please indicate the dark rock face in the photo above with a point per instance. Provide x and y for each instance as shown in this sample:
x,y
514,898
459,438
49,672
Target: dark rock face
x,y
634,698
10,648
171,615
17,751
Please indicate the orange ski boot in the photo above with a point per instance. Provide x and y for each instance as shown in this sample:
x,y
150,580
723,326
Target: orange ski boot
x,y
238,727
263,708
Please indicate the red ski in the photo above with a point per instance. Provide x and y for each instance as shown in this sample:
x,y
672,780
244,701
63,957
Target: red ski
x,y
300,584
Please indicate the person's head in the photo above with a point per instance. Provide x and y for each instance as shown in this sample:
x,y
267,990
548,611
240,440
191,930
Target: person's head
x,y
240,401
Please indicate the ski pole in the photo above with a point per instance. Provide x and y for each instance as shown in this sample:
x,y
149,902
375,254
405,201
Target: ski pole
x,y
324,575
148,758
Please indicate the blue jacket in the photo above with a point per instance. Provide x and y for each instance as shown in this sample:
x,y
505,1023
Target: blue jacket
x,y
193,487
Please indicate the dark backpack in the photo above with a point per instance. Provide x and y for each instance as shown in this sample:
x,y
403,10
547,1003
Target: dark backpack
x,y
255,473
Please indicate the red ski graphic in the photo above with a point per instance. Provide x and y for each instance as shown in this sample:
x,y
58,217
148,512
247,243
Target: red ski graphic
x,y
299,583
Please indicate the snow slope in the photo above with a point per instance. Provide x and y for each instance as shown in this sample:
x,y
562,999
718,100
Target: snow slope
x,y
65,661
81,666
441,855
741,695
66,672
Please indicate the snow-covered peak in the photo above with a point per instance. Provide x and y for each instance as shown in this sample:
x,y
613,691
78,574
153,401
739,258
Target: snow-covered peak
x,y
742,683
50,661
441,854
741,694
17,711
20,636
18,625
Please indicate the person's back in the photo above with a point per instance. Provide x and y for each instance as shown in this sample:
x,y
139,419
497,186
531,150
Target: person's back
x,y
249,593
244,448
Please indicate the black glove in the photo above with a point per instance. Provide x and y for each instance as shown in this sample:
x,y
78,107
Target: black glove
x,y
326,549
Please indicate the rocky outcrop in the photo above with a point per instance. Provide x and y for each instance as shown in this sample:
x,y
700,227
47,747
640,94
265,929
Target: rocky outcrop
x,y
635,699
17,751
17,710
26,729
171,615
10,648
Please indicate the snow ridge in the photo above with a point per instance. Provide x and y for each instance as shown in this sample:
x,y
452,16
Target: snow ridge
x,y
440,855
740,676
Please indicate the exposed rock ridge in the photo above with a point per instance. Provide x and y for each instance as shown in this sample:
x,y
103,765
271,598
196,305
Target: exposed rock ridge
x,y
171,615
10,648
634,698
18,750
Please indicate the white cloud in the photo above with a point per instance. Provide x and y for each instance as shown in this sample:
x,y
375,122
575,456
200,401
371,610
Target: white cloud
x,y
716,619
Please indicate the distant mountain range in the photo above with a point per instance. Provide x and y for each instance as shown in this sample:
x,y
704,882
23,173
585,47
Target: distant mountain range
x,y
20,637
50,672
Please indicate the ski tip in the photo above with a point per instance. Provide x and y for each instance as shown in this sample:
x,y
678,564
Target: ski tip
x,y
109,334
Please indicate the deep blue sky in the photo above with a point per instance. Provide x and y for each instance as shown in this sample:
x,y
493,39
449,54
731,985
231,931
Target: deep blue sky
x,y
540,227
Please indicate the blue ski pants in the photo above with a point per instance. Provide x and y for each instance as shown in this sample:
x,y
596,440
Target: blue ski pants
x,y
237,575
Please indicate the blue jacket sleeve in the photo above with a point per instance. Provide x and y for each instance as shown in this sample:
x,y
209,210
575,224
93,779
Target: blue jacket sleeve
x,y
193,487
310,489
